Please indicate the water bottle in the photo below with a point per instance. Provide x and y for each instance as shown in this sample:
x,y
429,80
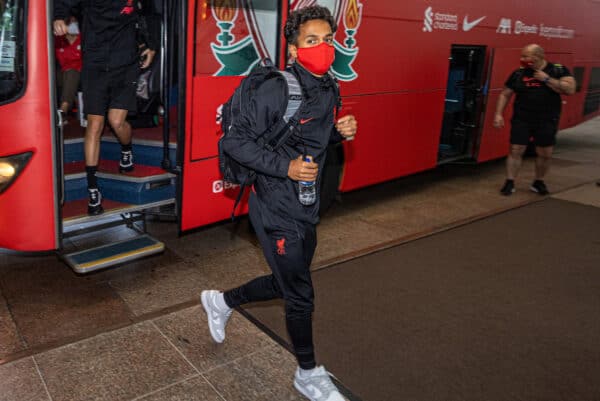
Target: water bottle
x,y
307,190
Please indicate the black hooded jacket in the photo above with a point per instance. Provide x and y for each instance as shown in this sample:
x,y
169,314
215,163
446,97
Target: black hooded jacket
x,y
111,29
276,192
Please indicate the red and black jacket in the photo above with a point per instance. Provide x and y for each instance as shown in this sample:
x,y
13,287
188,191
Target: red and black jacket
x,y
111,29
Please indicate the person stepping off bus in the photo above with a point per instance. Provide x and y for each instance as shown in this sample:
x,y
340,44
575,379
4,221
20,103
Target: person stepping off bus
x,y
111,64
285,227
538,85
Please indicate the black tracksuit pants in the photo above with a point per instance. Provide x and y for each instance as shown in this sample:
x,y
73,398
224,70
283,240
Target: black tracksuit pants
x,y
289,250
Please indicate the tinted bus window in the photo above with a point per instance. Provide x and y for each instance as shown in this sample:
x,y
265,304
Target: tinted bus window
x,y
592,99
12,51
578,75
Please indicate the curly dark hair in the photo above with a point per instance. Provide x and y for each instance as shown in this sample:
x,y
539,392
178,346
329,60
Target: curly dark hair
x,y
302,15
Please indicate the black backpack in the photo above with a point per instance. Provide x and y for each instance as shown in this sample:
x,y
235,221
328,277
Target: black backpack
x,y
275,136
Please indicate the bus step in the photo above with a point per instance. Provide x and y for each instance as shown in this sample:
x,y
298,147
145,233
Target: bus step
x,y
109,255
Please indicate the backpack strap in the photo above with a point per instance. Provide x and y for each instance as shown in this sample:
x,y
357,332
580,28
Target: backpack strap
x,y
291,114
294,96
289,119
239,197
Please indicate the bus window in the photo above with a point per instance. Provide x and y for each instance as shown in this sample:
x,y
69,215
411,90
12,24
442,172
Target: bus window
x,y
12,51
592,99
578,75
233,36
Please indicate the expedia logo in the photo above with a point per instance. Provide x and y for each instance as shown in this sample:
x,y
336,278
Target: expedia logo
x,y
505,26
219,186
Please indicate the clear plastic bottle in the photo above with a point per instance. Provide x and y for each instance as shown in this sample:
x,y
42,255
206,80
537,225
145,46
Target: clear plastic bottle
x,y
307,190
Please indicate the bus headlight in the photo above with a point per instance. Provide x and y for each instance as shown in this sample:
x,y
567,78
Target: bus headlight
x,y
11,167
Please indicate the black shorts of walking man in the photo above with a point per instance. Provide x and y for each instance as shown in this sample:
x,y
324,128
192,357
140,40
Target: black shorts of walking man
x,y
284,226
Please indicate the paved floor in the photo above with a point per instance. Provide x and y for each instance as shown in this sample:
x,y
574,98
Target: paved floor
x,y
137,332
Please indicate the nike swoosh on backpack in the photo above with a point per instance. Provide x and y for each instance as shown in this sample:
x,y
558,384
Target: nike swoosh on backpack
x,y
467,26
305,120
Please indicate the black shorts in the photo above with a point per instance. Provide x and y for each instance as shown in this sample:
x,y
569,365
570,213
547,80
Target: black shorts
x,y
542,133
114,89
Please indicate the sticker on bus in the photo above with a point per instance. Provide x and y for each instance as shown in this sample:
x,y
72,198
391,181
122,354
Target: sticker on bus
x,y
8,49
7,64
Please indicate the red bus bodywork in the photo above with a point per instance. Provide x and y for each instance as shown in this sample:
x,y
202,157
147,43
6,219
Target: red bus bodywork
x,y
395,81
29,207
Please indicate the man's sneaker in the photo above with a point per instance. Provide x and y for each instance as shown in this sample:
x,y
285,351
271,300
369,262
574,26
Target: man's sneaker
x,y
95,202
508,188
318,386
217,319
126,162
539,187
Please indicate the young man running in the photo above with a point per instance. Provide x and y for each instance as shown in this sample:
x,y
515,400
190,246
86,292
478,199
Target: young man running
x,y
284,226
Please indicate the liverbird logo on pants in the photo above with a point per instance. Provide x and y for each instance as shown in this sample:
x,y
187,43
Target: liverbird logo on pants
x,y
281,246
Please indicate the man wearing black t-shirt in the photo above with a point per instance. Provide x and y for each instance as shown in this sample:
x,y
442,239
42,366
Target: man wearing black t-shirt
x,y
538,85
116,44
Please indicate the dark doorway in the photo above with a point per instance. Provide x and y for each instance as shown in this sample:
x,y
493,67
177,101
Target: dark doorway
x,y
463,104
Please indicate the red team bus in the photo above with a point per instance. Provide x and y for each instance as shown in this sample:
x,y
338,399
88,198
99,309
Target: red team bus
x,y
422,78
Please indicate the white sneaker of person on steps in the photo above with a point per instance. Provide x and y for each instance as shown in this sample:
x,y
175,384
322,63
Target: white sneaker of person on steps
x,y
315,384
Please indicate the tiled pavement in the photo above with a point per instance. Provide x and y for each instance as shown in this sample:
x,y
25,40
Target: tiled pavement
x,y
137,332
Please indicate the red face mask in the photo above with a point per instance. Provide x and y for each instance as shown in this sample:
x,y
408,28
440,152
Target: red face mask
x,y
526,64
317,59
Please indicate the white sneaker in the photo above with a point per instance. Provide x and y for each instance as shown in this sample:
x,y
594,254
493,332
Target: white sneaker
x,y
318,386
217,319
126,162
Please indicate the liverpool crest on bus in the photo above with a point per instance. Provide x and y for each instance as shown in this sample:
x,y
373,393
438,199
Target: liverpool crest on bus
x,y
248,33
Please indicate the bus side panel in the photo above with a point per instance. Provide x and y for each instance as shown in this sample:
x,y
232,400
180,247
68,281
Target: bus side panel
x,y
28,211
209,94
206,198
394,55
494,141
573,110
398,135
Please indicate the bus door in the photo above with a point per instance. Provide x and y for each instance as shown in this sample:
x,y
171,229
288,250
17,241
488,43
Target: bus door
x,y
493,142
225,40
29,183
463,103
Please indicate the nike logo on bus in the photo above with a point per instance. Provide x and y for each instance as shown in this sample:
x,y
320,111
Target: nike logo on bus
x,y
305,120
467,26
